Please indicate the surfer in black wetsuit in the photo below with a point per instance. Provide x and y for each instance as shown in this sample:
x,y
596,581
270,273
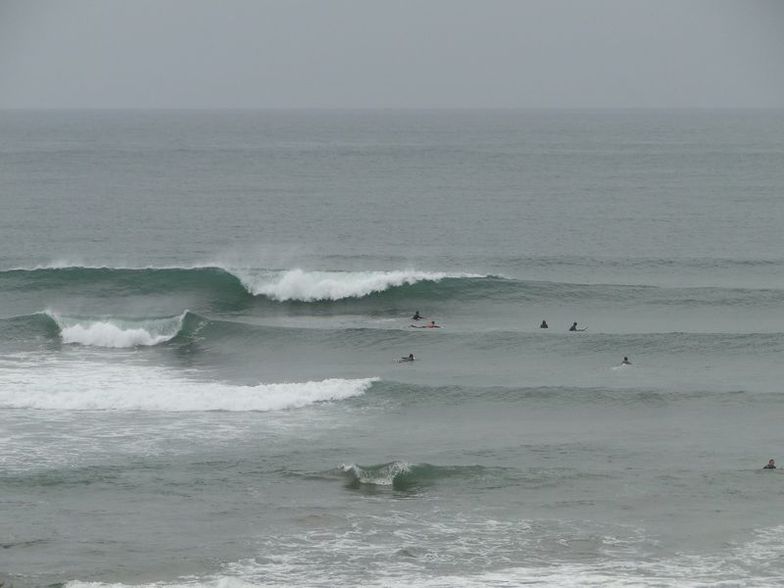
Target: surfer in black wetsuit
x,y
574,328
626,361
771,465
416,316
409,357
544,325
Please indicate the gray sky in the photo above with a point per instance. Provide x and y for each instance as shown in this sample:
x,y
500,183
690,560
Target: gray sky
x,y
392,53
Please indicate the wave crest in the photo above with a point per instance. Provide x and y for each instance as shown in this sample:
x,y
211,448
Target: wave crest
x,y
314,286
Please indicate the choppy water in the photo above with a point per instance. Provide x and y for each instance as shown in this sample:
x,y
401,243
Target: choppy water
x,y
201,316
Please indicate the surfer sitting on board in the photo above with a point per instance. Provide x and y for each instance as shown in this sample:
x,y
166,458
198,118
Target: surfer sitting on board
x,y
574,327
626,361
432,325
416,316
544,325
771,465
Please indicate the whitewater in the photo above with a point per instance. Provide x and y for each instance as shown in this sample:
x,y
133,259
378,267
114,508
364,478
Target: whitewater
x,y
96,386
116,333
202,316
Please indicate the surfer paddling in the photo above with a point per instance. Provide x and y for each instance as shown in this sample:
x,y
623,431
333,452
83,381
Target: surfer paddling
x,y
574,328
407,358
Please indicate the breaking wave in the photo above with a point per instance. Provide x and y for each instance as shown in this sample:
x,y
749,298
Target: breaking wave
x,y
118,333
401,475
219,288
314,286
380,475
218,282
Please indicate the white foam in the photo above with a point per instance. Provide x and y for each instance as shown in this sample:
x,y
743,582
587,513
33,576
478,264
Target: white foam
x,y
117,333
380,476
310,286
444,549
219,582
318,558
627,574
65,264
79,385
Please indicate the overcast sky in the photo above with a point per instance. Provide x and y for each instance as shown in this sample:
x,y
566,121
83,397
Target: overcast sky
x,y
391,53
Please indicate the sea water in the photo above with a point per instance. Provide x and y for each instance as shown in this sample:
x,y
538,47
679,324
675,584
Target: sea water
x,y
202,313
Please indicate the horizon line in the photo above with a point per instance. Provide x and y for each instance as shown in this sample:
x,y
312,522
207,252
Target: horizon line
x,y
373,108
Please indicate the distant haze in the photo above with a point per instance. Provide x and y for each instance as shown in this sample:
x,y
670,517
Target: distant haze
x,y
391,54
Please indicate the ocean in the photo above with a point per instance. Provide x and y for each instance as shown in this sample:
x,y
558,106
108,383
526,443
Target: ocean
x,y
202,315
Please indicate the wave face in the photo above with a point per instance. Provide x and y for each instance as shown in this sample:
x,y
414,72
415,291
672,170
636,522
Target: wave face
x,y
119,279
96,386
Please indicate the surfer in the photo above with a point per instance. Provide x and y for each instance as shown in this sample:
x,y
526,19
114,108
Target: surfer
x,y
409,357
544,325
416,316
574,328
771,465
626,361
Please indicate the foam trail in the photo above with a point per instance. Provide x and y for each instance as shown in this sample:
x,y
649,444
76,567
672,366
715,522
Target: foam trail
x,y
72,385
117,333
311,286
